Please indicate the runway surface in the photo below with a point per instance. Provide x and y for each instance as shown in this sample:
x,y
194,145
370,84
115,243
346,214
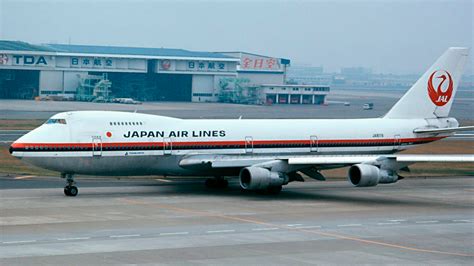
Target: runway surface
x,y
178,221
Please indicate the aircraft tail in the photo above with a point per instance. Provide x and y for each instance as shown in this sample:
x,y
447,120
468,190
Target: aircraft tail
x,y
433,94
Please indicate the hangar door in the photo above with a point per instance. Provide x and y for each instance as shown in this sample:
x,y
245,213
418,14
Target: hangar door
x,y
151,86
171,87
18,84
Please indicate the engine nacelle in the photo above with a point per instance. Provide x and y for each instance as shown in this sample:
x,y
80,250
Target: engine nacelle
x,y
256,178
366,175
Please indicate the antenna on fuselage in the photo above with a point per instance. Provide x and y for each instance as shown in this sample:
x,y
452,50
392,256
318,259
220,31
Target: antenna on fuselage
x,y
240,117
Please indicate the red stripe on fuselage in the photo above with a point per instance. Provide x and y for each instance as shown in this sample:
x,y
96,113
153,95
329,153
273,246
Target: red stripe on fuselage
x,y
218,143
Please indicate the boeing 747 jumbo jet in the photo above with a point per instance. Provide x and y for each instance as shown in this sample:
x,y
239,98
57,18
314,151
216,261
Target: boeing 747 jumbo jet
x,y
264,154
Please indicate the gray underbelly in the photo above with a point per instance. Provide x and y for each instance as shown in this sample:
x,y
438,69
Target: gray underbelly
x,y
112,165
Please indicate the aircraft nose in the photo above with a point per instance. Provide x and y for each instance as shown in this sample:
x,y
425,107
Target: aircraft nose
x,y
15,146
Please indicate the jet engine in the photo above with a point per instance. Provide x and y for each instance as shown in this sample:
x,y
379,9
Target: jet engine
x,y
258,178
366,175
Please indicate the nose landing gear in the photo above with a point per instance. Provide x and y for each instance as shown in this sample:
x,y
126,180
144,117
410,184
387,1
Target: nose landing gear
x,y
70,189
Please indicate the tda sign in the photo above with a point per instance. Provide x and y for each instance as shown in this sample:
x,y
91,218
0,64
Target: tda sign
x,y
29,60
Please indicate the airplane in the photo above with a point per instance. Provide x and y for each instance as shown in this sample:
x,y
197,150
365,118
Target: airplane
x,y
265,154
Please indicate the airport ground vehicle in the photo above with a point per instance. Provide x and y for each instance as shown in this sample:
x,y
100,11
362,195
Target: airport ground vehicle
x,y
368,106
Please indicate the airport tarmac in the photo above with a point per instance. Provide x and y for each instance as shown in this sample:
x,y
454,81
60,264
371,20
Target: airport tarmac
x,y
178,221
383,101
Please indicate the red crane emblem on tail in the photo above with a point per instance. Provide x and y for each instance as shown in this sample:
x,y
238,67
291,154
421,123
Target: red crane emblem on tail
x,y
439,96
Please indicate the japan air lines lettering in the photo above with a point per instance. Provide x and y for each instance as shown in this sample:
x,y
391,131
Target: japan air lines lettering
x,y
175,134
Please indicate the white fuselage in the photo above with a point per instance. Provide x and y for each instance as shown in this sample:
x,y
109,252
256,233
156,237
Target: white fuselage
x,y
118,143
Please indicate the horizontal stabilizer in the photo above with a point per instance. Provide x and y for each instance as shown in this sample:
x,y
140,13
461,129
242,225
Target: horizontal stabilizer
x,y
443,130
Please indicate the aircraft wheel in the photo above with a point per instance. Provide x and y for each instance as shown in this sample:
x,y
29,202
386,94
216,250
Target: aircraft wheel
x,y
73,191
66,191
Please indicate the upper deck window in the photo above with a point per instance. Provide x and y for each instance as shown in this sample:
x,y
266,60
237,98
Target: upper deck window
x,y
56,121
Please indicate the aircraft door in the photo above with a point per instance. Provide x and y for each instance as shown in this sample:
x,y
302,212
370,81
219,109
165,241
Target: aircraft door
x,y
248,144
396,142
167,146
313,142
96,146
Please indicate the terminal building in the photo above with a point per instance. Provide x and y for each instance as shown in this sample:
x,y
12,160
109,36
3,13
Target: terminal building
x,y
147,74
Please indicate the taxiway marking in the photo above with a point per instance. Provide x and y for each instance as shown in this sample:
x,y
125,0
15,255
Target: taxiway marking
x,y
265,229
19,242
317,232
120,236
463,221
174,233
73,238
163,180
220,231
389,223
426,222
291,225
308,227
24,177
348,225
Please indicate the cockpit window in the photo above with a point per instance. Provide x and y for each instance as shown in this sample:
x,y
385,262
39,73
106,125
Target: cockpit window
x,y
56,121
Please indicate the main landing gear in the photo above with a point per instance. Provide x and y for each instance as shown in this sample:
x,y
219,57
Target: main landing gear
x,y
70,189
217,182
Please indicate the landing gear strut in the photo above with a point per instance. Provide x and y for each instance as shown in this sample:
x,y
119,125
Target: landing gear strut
x,y
70,189
217,182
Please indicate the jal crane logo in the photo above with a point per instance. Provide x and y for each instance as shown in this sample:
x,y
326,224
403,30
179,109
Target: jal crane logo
x,y
165,64
443,92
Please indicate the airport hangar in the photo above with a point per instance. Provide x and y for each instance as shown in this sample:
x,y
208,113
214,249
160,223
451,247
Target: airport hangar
x,y
148,74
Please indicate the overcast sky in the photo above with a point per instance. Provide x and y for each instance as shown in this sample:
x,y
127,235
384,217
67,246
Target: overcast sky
x,y
388,36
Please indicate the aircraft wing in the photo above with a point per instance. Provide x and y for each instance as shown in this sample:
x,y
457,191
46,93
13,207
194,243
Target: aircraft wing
x,y
228,161
443,130
405,158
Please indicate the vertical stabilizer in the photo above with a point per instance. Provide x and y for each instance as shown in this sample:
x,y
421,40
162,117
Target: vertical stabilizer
x,y
433,94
